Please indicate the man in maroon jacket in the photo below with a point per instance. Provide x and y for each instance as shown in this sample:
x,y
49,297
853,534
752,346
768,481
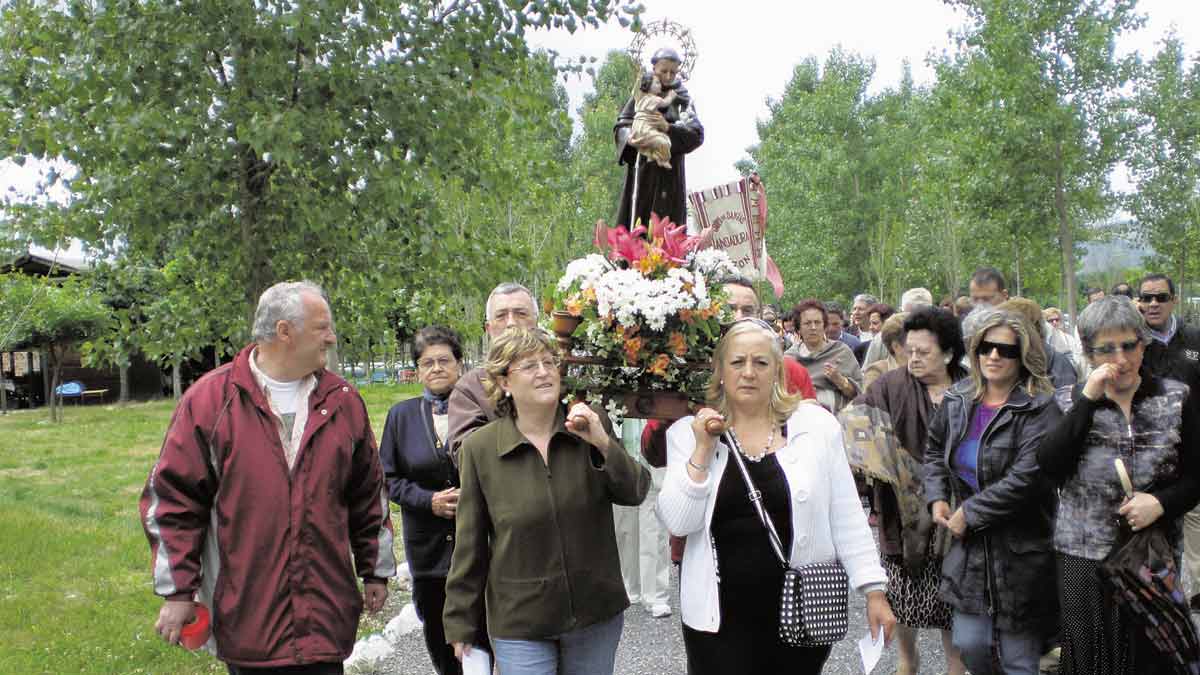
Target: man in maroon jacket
x,y
266,483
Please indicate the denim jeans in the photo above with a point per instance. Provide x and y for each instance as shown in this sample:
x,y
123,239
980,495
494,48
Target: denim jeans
x,y
973,635
591,650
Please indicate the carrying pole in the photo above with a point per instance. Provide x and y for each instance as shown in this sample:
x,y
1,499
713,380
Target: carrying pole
x,y
637,165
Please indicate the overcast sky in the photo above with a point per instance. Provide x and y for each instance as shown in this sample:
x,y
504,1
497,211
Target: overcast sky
x,y
748,49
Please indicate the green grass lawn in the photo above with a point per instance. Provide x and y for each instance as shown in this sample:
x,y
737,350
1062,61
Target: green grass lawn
x,y
75,588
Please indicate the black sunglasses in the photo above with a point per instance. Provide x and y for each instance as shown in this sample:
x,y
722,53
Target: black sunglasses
x,y
1006,351
1162,298
1108,350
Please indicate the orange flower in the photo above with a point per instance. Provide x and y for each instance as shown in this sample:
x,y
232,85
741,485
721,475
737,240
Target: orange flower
x,y
589,294
574,306
659,367
677,343
547,305
685,315
633,346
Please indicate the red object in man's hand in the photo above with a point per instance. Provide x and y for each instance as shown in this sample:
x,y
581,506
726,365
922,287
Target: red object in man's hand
x,y
579,424
195,634
715,427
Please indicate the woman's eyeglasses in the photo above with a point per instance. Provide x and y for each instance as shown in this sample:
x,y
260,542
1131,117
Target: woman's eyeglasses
x,y
530,367
1006,351
1127,347
441,362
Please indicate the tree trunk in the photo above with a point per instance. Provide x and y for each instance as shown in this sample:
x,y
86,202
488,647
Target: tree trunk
x,y
332,361
55,402
3,395
176,378
124,373
1017,271
253,181
1066,238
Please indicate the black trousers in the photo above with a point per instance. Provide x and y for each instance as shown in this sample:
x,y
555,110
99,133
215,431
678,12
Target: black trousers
x,y
309,669
429,596
748,650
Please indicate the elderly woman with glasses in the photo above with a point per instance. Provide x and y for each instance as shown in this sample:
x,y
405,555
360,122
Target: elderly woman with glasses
x,y
981,456
1150,423
730,579
421,479
536,546
831,364
885,437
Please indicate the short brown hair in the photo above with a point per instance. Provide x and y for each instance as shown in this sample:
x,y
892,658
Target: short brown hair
x,y
513,344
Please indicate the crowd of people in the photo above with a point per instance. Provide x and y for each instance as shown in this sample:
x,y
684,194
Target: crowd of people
x,y
955,459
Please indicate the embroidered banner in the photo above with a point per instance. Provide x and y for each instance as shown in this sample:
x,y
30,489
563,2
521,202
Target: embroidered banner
x,y
733,218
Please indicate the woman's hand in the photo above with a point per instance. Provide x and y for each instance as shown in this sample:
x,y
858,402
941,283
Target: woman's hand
x,y
957,523
879,615
445,503
837,379
705,442
941,513
461,649
1141,510
1096,382
594,433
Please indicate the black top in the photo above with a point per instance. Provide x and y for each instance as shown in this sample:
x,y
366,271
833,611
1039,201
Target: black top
x,y
416,466
1179,360
744,553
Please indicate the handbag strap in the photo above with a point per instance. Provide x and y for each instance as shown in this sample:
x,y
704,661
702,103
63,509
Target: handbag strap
x,y
756,497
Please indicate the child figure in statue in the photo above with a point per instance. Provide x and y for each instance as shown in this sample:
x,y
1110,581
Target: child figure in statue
x,y
649,131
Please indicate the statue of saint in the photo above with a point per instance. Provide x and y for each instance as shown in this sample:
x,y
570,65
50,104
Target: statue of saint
x,y
658,187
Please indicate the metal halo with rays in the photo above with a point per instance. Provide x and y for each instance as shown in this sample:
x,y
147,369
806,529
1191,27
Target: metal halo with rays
x,y
664,33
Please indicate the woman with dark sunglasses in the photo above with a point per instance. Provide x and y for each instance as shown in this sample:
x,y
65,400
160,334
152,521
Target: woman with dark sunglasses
x,y
983,485
1150,423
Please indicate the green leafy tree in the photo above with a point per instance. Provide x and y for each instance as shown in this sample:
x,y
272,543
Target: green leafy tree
x,y
1164,162
1041,123
269,141
50,315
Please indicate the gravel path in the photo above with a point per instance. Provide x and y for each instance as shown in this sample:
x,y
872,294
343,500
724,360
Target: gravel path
x,y
652,646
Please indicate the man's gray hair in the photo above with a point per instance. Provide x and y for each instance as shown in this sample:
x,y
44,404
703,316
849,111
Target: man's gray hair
x,y
508,288
1111,313
867,298
282,302
914,298
974,319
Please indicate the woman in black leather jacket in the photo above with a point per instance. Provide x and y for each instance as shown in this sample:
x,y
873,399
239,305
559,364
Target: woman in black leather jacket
x,y
982,457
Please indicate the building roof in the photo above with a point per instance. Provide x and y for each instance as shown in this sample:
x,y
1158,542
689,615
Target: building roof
x,y
43,263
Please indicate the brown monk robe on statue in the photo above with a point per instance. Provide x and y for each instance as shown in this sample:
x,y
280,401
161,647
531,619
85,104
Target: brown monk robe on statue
x,y
661,190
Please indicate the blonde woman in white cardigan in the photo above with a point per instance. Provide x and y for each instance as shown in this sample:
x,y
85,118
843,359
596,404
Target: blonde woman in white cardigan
x,y
730,577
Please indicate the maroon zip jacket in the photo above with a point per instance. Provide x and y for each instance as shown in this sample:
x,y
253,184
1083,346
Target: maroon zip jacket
x,y
266,549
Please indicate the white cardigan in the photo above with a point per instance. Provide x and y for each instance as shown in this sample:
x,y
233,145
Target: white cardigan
x,y
827,517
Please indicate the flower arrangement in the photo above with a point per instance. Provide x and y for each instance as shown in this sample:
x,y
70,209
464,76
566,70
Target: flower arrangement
x,y
650,312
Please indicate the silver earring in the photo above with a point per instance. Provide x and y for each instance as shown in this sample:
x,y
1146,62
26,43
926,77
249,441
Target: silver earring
x,y
947,360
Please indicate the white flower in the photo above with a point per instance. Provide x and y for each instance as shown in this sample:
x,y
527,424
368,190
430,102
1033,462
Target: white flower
x,y
714,263
585,270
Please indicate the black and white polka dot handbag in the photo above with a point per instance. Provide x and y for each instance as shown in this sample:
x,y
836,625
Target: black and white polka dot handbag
x,y
813,605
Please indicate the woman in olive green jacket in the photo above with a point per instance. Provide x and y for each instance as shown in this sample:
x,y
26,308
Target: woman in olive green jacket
x,y
535,541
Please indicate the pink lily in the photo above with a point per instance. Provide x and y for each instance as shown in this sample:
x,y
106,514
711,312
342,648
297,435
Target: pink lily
x,y
676,244
623,243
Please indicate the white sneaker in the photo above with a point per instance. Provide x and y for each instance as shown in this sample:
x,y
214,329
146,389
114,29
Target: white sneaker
x,y
660,610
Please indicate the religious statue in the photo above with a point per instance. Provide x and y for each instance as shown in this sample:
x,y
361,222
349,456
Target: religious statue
x,y
652,186
649,131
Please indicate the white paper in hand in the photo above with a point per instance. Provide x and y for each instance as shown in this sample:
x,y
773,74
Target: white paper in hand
x,y
870,650
477,662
